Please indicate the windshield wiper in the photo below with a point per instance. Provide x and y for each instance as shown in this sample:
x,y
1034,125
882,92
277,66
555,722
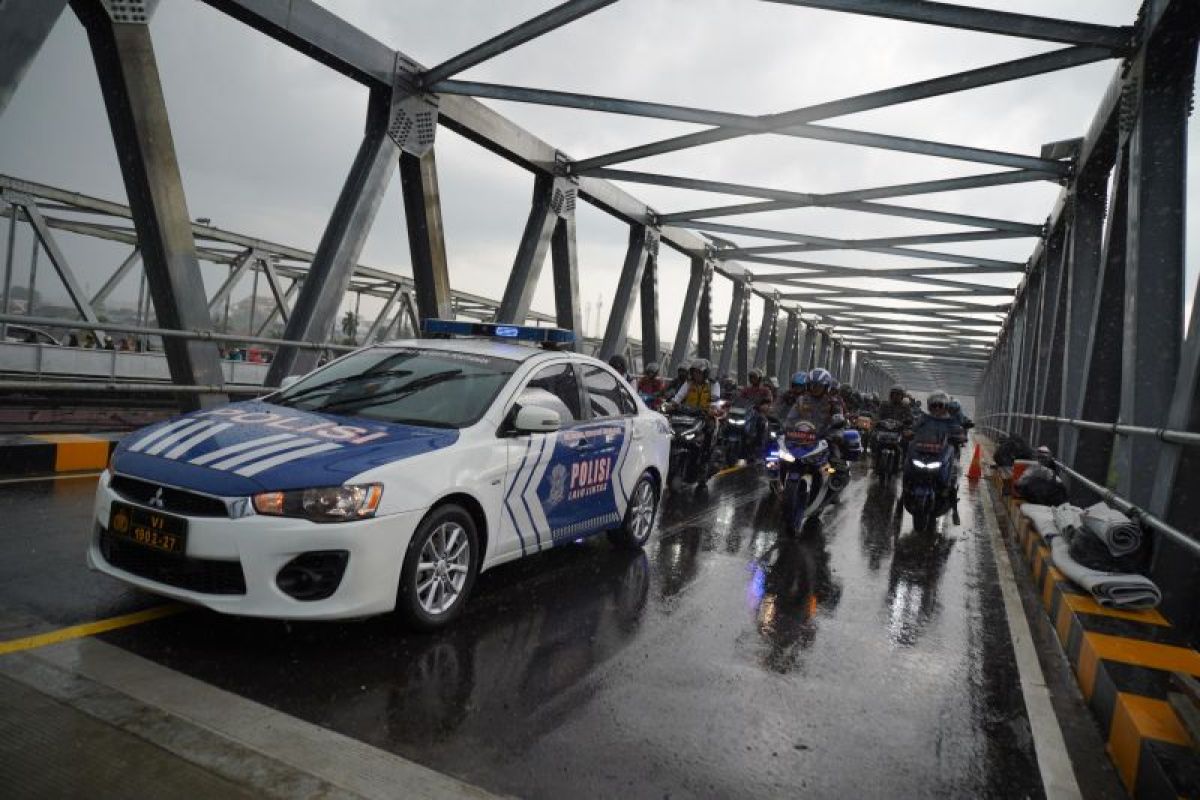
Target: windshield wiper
x,y
288,401
394,393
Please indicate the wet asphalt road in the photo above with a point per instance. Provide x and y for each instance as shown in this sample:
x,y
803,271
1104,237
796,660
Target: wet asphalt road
x,y
860,659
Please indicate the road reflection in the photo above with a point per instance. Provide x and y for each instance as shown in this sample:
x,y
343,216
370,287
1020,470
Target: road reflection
x,y
913,582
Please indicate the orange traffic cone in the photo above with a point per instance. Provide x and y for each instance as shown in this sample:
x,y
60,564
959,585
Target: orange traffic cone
x,y
975,472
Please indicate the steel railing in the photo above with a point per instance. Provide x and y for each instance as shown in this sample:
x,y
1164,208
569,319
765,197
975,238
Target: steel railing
x,y
1187,438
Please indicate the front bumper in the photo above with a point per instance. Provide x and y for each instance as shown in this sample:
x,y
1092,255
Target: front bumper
x,y
262,545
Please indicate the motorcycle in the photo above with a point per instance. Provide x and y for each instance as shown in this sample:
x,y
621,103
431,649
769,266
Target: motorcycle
x,y
888,448
733,436
690,460
800,474
654,402
931,478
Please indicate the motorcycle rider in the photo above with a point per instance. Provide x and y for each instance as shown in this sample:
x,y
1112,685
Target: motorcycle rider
x,y
698,394
957,412
650,383
820,406
681,378
618,363
796,389
895,407
938,421
756,391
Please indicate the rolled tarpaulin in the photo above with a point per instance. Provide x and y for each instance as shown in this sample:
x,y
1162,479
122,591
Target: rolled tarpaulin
x,y
1119,534
1110,589
1042,519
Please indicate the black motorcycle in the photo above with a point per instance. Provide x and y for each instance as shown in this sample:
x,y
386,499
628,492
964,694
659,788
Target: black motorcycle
x,y
931,478
691,456
887,441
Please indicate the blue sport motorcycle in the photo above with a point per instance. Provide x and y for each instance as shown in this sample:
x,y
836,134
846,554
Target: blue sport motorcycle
x,y
930,482
800,472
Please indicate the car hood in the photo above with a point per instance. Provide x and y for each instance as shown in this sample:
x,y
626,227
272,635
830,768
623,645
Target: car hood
x,y
244,448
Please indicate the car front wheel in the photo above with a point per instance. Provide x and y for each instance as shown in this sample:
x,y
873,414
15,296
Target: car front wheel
x,y
439,570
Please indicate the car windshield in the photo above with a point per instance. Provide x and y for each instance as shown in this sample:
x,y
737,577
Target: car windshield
x,y
403,384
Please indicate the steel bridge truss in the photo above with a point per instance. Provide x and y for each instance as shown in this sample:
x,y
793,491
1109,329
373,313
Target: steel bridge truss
x,y
807,319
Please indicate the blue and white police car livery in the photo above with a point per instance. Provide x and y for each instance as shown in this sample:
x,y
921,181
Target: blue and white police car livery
x,y
387,479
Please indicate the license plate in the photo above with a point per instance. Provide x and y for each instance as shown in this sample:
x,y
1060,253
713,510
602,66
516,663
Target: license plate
x,y
152,529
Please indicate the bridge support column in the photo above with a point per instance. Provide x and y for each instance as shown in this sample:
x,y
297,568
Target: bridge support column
x,y
24,26
1089,195
766,333
137,114
786,352
1163,76
649,308
743,343
1096,399
732,326
804,346
1047,354
426,237
642,240
564,259
341,244
553,201
687,319
704,343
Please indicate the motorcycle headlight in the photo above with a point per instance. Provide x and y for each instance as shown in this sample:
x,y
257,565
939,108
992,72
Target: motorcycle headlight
x,y
737,422
687,437
325,504
927,464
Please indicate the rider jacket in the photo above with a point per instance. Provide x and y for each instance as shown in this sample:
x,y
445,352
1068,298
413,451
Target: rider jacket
x,y
820,411
942,427
752,395
651,386
698,395
897,411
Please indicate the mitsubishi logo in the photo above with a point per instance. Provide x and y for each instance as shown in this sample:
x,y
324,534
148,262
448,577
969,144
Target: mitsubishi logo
x,y
157,500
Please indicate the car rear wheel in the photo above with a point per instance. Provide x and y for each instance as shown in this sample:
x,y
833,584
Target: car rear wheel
x,y
639,516
439,569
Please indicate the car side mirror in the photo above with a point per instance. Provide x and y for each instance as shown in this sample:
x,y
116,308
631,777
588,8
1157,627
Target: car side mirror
x,y
536,419
289,380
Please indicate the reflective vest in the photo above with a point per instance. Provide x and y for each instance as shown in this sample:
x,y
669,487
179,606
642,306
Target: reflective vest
x,y
698,396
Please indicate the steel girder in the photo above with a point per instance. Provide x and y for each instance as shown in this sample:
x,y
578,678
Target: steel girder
x,y
732,326
1006,23
643,243
543,23
345,234
687,319
970,79
137,114
426,236
704,339
24,26
648,305
564,261
766,332
786,355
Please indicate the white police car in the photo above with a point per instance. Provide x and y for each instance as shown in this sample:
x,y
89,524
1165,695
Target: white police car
x,y
387,479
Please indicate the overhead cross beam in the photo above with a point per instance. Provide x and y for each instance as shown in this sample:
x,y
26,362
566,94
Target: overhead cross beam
x,y
530,29
957,82
886,209
1006,23
745,122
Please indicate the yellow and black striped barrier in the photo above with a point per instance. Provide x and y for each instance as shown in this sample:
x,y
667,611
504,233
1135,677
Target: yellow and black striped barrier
x,y
1123,662
51,453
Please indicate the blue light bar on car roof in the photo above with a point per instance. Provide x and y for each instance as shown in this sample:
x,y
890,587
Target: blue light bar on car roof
x,y
523,333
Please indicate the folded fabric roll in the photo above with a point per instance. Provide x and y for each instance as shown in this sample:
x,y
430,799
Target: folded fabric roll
x,y
1119,533
1042,518
1068,518
1110,589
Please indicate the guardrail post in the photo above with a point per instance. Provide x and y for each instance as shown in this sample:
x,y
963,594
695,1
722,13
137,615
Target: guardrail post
x,y
137,114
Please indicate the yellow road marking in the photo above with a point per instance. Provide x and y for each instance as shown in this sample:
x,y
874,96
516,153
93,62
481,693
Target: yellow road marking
x,y
728,470
90,628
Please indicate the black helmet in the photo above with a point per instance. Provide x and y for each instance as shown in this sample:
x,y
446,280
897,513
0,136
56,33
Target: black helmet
x,y
618,363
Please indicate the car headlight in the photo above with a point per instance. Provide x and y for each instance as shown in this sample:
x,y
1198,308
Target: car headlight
x,y
325,504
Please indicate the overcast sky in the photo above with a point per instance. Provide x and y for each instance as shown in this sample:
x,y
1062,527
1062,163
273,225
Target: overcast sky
x,y
265,136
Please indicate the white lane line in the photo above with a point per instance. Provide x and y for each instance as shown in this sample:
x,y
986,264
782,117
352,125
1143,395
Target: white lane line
x,y
1054,763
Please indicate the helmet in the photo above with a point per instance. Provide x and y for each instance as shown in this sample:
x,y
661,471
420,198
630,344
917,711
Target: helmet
x,y
773,382
938,398
821,377
618,363
800,380
701,364
954,406
755,374
652,368
682,369
897,389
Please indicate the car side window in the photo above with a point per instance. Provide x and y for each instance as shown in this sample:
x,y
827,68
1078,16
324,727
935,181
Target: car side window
x,y
554,387
607,394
